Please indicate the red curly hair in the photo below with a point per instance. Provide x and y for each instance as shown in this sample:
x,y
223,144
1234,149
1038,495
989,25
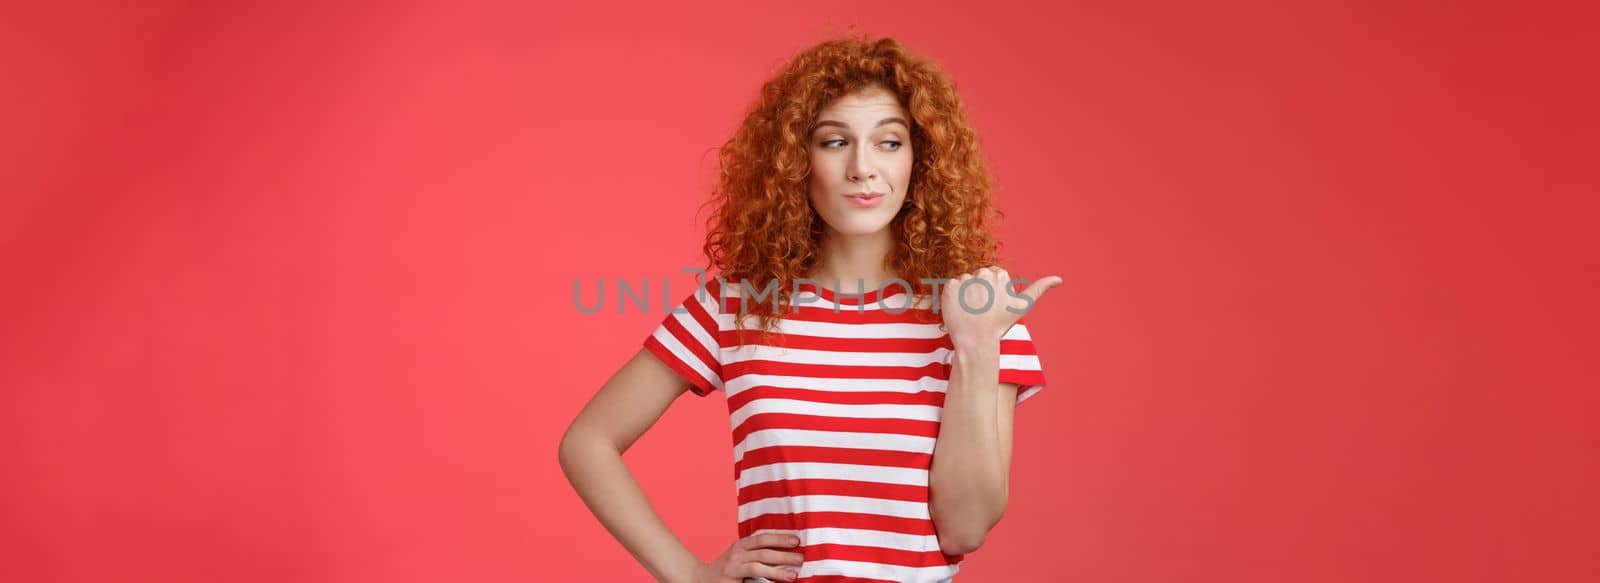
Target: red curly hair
x,y
764,228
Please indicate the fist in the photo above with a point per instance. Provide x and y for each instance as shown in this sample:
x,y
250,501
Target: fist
x,y
979,307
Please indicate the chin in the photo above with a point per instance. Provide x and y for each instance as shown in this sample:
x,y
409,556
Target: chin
x,y
862,225
862,230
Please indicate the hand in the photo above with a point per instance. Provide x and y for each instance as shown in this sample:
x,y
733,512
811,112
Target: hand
x,y
988,306
753,556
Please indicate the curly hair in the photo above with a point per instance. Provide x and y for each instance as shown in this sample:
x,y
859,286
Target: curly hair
x,y
764,229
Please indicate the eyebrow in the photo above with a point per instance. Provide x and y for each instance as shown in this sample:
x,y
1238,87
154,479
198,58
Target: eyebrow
x,y
881,123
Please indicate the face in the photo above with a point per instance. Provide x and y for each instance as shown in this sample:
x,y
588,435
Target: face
x,y
861,144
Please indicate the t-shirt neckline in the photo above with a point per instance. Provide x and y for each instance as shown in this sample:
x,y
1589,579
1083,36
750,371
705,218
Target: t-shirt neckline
x,y
850,298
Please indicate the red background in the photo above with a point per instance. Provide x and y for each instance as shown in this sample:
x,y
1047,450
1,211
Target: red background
x,y
287,287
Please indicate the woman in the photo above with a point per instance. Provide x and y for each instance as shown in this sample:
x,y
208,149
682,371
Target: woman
x,y
872,430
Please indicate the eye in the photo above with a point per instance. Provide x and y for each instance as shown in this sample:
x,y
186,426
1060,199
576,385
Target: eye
x,y
892,144
826,142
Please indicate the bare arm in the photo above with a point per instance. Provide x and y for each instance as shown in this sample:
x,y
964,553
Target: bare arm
x,y
968,481
627,405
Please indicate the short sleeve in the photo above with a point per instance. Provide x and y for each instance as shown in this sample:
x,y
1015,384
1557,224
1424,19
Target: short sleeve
x,y
686,340
1019,362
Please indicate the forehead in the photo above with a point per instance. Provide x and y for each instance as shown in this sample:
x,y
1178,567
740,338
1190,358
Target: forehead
x,y
863,106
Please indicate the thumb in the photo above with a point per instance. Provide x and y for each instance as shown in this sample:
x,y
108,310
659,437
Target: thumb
x,y
1037,289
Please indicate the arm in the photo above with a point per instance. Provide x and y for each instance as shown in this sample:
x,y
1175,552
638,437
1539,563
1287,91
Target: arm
x,y
969,479
629,403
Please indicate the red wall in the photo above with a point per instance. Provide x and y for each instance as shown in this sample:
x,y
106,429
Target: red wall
x,y
287,288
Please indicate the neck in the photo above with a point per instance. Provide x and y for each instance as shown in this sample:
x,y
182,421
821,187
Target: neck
x,y
849,258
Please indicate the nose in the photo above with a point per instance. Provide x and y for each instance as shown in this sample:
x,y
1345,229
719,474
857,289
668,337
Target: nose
x,y
861,167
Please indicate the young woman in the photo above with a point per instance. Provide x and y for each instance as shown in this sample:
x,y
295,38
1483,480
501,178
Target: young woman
x,y
871,430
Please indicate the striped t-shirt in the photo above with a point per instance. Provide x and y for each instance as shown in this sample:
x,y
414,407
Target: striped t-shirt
x,y
834,422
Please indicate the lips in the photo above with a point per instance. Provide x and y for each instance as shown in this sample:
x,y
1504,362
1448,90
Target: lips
x,y
865,199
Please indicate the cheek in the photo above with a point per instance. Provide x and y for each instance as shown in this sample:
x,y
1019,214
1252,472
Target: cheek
x,y
816,170
818,180
817,191
902,170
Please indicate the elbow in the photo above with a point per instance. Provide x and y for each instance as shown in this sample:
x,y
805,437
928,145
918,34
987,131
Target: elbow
x,y
566,452
959,544
962,536
581,443
573,448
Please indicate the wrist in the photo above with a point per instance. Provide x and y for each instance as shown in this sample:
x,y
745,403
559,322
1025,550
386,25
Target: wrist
x,y
971,346
972,365
976,353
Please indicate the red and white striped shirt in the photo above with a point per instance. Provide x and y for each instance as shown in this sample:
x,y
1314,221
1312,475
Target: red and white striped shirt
x,y
834,422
